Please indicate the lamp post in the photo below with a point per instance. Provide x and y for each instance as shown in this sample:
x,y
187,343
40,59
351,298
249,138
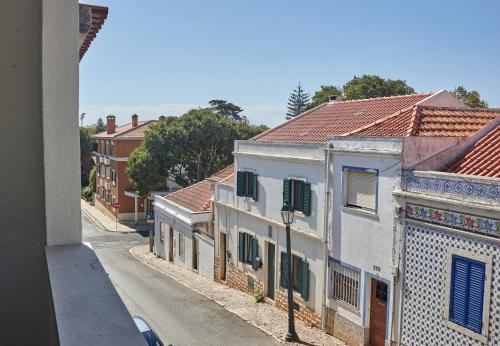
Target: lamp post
x,y
287,216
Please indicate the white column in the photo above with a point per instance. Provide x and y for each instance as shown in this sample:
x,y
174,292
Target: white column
x,y
135,209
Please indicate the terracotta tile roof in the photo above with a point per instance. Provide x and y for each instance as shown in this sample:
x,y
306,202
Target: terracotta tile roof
x,y
430,121
230,180
127,131
483,159
197,197
337,118
99,15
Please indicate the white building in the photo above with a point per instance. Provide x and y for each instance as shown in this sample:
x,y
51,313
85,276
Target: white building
x,y
184,228
289,162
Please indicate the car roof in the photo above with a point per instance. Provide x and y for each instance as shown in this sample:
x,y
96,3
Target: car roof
x,y
141,324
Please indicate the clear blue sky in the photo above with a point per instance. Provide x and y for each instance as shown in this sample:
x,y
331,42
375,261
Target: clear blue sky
x,y
163,57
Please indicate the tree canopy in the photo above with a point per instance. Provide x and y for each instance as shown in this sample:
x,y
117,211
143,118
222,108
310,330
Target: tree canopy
x,y
370,86
297,102
100,126
186,149
323,95
226,109
470,98
85,144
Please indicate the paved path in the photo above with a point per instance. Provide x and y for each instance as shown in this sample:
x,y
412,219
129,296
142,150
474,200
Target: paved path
x,y
179,315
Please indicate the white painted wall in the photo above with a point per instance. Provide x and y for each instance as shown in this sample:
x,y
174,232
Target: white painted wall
x,y
205,256
60,58
364,239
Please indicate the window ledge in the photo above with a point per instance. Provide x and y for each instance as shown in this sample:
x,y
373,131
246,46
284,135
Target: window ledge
x,y
361,212
477,336
88,309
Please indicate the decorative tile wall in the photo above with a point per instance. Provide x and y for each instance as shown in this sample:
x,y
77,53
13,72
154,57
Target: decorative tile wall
x,y
454,219
425,284
459,188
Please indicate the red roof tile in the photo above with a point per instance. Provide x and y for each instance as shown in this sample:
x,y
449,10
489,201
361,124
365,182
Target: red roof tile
x,y
337,118
483,159
428,121
197,197
127,131
99,15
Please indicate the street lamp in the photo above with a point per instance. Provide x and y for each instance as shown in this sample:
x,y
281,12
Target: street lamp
x,y
287,216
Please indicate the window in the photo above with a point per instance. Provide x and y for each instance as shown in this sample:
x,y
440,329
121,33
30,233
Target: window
x,y
300,274
298,194
360,188
113,201
181,246
162,232
113,176
467,293
249,250
246,184
108,172
344,284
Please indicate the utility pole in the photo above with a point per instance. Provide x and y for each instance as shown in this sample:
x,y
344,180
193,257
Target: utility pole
x,y
82,116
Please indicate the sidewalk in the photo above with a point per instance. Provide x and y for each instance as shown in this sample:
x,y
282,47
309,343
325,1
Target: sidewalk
x,y
266,317
105,223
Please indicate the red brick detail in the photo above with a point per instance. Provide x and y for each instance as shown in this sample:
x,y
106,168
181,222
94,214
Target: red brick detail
x,y
238,279
305,313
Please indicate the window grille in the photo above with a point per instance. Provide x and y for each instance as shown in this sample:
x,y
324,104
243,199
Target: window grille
x,y
344,284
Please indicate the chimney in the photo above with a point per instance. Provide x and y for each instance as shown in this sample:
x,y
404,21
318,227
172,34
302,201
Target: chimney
x,y
111,126
335,98
135,120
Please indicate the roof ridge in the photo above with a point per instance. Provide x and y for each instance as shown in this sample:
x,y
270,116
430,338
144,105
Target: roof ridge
x,y
383,98
379,121
144,122
467,109
288,121
415,117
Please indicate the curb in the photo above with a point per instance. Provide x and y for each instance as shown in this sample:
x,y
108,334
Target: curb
x,y
204,295
94,220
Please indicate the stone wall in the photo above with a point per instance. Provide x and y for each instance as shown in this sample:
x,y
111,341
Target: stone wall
x,y
344,329
304,312
237,279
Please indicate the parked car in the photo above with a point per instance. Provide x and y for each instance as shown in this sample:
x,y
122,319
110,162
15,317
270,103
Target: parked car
x,y
149,334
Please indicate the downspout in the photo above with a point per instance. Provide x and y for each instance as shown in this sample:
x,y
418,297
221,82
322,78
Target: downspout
x,y
325,238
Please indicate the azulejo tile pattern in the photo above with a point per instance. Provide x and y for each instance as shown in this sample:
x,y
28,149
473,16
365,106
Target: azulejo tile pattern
x,y
425,285
459,188
454,219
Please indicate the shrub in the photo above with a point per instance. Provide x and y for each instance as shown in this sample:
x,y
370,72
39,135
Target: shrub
x,y
87,193
259,297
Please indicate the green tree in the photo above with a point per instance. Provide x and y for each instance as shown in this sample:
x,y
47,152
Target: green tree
x,y
323,95
297,102
470,98
92,178
226,109
85,145
186,149
100,126
370,86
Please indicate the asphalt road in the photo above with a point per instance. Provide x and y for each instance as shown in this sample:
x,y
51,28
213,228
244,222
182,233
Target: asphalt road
x,y
179,315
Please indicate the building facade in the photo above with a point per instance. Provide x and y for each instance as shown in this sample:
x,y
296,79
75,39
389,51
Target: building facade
x,y
113,186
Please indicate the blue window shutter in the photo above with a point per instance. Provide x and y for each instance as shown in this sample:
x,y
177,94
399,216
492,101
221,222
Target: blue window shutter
x,y
476,294
240,183
467,293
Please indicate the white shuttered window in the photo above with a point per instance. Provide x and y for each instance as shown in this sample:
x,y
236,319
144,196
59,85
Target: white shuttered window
x,y
361,189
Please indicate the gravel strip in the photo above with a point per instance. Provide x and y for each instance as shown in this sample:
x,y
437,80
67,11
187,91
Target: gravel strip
x,y
266,317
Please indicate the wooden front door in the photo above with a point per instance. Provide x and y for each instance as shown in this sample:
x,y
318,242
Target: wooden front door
x,y
171,244
270,270
378,313
222,257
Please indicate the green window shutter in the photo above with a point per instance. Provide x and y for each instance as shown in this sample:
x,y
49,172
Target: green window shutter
x,y
240,183
242,247
306,199
284,270
255,187
255,253
286,191
249,184
303,269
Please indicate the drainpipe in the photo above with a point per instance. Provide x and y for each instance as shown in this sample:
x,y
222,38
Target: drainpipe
x,y
325,238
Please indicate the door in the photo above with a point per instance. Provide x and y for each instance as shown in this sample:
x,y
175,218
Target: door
x,y
378,313
195,252
171,244
222,257
270,270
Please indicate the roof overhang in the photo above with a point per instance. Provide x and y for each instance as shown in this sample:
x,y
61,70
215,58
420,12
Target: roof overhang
x,y
177,212
92,18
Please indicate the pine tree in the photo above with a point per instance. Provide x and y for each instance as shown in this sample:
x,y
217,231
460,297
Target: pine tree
x,y
297,102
